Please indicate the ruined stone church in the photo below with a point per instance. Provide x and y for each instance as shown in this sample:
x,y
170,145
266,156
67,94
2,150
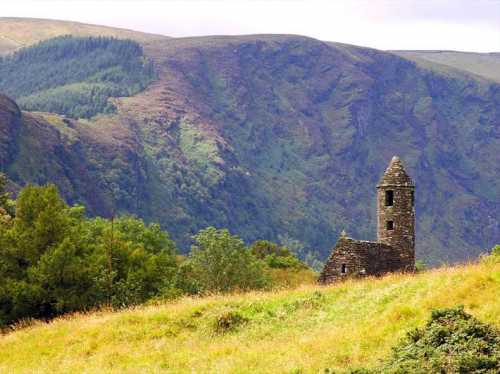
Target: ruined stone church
x,y
394,250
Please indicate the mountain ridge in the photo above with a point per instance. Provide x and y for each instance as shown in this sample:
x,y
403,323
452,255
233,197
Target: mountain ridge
x,y
284,137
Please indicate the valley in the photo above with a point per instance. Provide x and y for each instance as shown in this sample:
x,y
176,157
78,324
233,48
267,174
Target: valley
x,y
279,137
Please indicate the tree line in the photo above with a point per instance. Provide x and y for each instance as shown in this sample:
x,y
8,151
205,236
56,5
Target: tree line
x,y
75,76
55,260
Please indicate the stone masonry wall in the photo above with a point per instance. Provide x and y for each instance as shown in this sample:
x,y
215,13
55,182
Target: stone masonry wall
x,y
361,258
402,214
395,246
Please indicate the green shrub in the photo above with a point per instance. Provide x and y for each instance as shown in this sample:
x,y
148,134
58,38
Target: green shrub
x,y
451,342
221,262
185,279
420,266
495,251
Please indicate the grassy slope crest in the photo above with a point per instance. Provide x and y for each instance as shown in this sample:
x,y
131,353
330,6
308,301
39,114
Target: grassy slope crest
x,y
16,33
348,325
481,65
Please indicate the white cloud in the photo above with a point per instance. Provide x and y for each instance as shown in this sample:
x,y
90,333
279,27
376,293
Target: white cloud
x,y
383,24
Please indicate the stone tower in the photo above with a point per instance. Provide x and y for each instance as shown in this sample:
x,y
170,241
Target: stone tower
x,y
396,212
394,249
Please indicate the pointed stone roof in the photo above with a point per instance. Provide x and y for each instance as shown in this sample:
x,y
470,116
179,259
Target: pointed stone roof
x,y
395,175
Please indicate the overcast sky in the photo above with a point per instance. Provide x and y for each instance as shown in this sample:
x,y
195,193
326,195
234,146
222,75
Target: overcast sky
x,y
466,25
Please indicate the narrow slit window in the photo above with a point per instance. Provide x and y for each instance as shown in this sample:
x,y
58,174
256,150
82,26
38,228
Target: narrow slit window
x,y
390,225
412,198
389,198
344,269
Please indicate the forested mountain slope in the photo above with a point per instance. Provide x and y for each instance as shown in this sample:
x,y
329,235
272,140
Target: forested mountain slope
x,y
279,137
75,76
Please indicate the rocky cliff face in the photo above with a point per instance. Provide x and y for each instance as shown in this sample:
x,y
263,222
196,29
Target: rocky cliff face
x,y
281,136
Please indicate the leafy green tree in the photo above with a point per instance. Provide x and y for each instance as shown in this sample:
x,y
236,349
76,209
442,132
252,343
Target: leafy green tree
x,y
42,221
186,281
310,257
221,262
53,260
4,195
263,248
275,256
42,272
7,206
137,261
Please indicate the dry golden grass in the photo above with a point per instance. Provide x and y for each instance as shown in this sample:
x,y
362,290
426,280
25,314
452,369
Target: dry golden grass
x,y
16,33
482,65
303,330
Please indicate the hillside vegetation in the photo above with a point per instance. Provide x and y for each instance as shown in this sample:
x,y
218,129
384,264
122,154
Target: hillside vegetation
x,y
54,260
75,76
349,325
278,137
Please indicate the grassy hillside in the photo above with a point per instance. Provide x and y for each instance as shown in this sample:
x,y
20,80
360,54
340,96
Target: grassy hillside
x,y
16,33
301,331
484,65
280,137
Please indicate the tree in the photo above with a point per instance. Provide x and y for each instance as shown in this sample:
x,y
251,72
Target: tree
x,y
276,256
6,204
263,248
221,262
310,257
137,261
4,195
53,260
43,271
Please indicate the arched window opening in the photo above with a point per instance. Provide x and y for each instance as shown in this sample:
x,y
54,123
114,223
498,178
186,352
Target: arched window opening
x,y
389,198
